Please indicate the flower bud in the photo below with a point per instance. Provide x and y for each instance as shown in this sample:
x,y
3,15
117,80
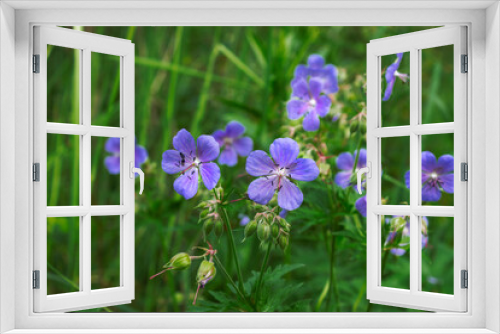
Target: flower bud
x,y
208,226
283,241
354,126
263,230
206,272
204,213
250,229
179,261
275,229
362,127
219,191
218,228
398,224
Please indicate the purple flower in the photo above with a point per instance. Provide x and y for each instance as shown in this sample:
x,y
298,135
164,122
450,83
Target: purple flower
x,y
316,69
437,176
277,174
405,237
112,162
345,162
283,213
244,219
306,101
188,158
233,143
361,205
390,76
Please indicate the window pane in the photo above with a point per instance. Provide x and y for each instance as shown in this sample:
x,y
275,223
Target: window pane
x,y
105,258
63,170
105,170
105,89
63,84
437,84
437,169
395,89
437,254
395,162
63,255
395,252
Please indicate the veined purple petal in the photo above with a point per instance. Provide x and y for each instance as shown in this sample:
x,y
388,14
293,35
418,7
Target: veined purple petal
x,y
262,190
447,183
243,146
388,89
429,162
112,163
315,87
289,195
345,161
323,104
259,164
301,72
445,164
311,121
304,170
219,137
228,157
210,174
112,145
361,159
141,155
296,108
208,149
389,73
284,151
361,205
172,162
300,90
184,142
316,61
330,75
186,184
343,179
234,129
430,193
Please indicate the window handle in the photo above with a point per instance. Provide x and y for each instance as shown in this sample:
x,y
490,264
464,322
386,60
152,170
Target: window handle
x,y
362,171
139,171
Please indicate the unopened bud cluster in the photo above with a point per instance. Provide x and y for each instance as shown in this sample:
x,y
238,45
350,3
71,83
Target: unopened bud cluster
x,y
269,226
210,217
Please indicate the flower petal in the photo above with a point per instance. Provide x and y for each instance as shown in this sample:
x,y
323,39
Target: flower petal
x,y
316,61
301,72
186,184
343,179
361,158
428,161
407,179
262,190
398,251
172,162
112,145
243,146
304,170
234,129
447,183
445,164
210,174
345,161
141,155
112,163
296,108
361,205
430,193
323,105
184,142
300,89
228,157
259,164
284,151
330,81
315,87
219,136
311,121
208,148
289,195
388,89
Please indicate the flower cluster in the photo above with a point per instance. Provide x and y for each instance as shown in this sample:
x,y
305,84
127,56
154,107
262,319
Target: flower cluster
x,y
232,143
398,239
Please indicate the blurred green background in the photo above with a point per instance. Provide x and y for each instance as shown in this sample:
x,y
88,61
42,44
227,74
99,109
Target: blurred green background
x,y
199,78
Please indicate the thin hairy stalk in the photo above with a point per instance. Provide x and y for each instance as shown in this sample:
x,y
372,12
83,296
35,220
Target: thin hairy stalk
x,y
262,271
228,277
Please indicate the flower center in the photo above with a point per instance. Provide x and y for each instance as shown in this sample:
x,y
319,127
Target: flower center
x,y
434,175
196,162
312,103
228,141
282,172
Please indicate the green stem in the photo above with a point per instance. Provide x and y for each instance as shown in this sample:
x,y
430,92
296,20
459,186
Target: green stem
x,y
262,271
228,277
333,275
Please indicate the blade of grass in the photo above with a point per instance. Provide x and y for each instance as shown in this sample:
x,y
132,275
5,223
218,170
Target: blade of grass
x,y
240,64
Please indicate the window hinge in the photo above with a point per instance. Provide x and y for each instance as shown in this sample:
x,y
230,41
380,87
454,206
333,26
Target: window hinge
x,y
465,279
464,173
36,63
36,279
465,64
36,172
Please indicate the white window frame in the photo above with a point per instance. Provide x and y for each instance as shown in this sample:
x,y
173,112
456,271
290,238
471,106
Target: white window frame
x,y
483,21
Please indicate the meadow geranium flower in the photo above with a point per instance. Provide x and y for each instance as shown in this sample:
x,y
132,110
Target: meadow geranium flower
x,y
361,205
437,176
232,143
112,162
307,101
391,74
188,159
345,162
277,175
316,69
400,249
